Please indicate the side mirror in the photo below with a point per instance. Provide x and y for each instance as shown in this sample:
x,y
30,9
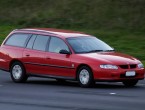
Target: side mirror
x,y
64,52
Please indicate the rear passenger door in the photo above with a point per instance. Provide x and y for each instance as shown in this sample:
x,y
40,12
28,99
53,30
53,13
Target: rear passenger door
x,y
34,54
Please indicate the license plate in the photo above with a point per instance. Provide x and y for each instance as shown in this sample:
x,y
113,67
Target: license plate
x,y
130,73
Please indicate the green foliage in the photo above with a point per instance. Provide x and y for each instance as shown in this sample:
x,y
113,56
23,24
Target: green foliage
x,y
108,14
143,62
4,31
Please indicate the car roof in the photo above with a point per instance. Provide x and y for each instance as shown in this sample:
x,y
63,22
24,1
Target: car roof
x,y
53,31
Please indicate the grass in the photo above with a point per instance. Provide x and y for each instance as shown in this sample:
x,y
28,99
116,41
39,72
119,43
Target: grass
x,y
143,62
106,14
4,31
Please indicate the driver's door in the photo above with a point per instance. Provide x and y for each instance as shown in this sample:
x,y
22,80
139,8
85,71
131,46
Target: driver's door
x,y
59,64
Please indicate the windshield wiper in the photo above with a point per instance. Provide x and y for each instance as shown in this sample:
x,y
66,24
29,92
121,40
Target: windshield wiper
x,y
100,51
95,51
109,50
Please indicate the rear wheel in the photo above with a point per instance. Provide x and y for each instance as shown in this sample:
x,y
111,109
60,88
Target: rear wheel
x,y
130,83
18,73
85,77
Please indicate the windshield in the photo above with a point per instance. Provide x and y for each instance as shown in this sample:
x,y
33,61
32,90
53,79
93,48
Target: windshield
x,y
88,45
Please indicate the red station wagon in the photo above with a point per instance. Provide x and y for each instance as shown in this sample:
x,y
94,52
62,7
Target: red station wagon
x,y
66,55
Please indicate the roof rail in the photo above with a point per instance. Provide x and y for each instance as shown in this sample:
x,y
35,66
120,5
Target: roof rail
x,y
37,30
14,30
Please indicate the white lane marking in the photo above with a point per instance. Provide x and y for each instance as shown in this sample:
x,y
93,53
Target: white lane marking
x,y
1,85
141,84
112,93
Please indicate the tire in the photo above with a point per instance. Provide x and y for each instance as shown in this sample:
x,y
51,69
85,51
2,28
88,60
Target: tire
x,y
130,83
18,73
85,77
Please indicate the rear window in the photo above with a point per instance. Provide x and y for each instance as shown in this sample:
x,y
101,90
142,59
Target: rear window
x,y
17,40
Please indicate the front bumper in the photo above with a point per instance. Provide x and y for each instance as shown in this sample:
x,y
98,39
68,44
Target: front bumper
x,y
118,75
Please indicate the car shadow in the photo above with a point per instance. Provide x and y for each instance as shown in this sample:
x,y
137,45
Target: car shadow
x,y
53,83
99,85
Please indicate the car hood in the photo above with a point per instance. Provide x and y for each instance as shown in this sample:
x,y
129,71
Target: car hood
x,y
111,58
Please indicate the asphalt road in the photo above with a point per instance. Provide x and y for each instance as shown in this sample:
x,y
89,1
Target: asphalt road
x,y
48,94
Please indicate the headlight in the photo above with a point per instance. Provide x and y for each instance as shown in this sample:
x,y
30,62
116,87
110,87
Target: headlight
x,y
140,65
109,66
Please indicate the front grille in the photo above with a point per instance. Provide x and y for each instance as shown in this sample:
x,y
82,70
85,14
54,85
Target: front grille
x,y
123,66
131,66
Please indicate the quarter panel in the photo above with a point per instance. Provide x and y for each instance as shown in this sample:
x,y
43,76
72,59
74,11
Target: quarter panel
x,y
9,53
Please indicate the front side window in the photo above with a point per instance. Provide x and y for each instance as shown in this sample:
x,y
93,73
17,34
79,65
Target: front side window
x,y
41,42
57,44
17,40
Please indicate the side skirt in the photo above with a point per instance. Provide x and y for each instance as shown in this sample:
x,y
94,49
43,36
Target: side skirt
x,y
50,76
4,70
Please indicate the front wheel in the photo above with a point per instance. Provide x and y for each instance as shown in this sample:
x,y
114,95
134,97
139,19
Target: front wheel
x,y
85,77
130,83
18,73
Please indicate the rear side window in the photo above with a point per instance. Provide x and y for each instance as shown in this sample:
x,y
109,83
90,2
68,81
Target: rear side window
x,y
41,42
17,40
31,42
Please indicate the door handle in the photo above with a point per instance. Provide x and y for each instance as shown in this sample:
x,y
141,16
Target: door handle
x,y
27,55
48,58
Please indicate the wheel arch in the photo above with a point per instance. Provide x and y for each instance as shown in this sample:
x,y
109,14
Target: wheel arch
x,y
13,61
